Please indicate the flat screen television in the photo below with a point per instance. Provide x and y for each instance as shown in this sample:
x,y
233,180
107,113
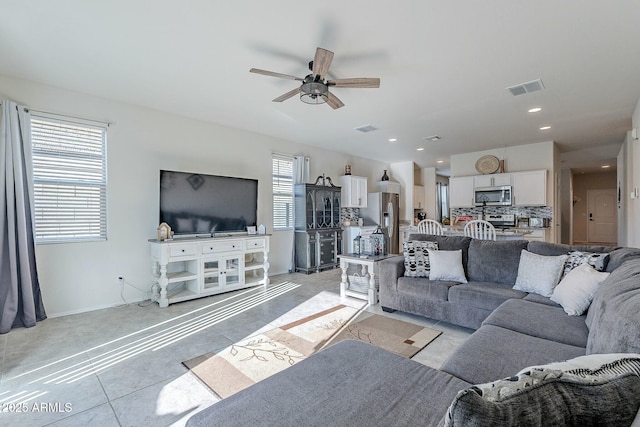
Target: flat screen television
x,y
199,204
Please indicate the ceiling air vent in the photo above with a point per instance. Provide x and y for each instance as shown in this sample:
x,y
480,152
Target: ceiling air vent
x,y
528,87
366,128
432,138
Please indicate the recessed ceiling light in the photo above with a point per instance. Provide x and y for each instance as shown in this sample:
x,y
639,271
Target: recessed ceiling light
x,y
440,161
393,139
420,149
545,128
535,110
605,166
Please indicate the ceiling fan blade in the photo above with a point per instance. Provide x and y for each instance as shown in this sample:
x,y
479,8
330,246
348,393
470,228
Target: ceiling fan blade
x,y
322,62
334,102
356,82
274,74
287,95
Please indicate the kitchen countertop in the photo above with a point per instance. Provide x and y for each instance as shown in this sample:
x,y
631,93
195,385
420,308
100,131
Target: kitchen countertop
x,y
501,234
455,229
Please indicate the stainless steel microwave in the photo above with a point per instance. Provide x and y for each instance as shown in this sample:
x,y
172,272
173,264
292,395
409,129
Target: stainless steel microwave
x,y
493,196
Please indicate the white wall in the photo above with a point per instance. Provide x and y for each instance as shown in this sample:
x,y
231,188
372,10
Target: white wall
x,y
403,173
633,205
77,277
566,201
625,173
429,183
534,156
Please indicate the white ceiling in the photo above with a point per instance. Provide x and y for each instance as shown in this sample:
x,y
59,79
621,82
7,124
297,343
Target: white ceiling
x,y
443,65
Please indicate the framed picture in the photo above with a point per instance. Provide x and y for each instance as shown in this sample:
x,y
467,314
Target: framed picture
x,y
251,229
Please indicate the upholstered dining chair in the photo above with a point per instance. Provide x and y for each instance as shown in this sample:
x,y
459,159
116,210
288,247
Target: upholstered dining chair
x,y
480,229
430,226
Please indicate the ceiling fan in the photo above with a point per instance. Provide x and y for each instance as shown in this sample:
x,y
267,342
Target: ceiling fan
x,y
314,88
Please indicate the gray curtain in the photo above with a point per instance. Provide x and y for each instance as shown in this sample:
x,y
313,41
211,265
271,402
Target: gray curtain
x,y
20,299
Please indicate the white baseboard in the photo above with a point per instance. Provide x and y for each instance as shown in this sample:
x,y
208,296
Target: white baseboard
x,y
94,308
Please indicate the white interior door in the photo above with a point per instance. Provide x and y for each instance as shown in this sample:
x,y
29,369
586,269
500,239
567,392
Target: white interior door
x,y
603,216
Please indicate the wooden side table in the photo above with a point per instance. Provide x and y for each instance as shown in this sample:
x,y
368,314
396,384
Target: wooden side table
x,y
369,265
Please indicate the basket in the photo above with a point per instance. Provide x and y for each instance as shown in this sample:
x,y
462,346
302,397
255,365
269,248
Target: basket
x,y
359,283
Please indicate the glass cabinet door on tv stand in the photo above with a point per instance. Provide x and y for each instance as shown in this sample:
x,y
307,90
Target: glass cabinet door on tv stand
x,y
221,272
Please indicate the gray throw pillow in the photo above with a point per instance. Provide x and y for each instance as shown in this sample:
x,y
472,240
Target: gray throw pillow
x,y
554,395
416,258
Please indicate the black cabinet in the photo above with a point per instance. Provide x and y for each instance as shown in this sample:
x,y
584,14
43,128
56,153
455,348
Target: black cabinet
x,y
318,236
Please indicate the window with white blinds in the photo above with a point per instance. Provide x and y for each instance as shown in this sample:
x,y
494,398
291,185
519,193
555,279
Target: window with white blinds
x,y
70,180
282,192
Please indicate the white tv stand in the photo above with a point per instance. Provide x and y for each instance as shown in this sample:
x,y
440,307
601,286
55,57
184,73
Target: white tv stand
x,y
189,268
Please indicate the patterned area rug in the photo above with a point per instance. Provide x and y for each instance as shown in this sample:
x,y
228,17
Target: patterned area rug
x,y
260,356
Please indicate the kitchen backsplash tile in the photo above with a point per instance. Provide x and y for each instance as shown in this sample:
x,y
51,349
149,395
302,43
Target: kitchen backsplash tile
x,y
349,214
518,211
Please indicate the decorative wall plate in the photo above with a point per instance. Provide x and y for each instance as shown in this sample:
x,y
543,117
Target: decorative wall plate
x,y
487,164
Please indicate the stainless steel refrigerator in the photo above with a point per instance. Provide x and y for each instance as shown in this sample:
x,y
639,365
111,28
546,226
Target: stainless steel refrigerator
x,y
383,210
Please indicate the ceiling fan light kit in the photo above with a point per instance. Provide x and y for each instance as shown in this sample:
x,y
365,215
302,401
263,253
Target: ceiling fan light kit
x,y
314,88
314,93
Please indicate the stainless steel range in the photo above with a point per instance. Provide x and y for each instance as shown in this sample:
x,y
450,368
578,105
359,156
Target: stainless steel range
x,y
502,221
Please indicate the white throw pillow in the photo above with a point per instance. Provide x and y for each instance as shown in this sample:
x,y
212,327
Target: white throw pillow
x,y
446,265
539,274
575,292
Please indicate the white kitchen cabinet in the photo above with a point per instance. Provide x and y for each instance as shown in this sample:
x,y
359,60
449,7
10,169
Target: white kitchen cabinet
x,y
354,191
461,192
493,180
418,197
529,188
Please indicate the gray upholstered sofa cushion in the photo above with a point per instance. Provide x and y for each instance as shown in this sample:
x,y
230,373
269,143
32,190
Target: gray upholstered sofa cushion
x,y
617,256
494,261
348,384
485,295
424,288
614,314
448,243
554,249
540,320
540,300
493,352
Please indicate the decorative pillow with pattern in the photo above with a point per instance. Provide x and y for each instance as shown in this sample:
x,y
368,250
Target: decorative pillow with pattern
x,y
598,261
581,393
416,257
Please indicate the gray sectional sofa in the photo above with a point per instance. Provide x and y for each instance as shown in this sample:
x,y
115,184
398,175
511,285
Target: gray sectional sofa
x,y
491,268
354,384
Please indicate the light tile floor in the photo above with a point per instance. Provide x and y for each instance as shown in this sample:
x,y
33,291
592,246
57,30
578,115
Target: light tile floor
x,y
122,366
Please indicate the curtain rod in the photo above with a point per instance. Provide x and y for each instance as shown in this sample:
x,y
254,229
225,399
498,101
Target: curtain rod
x,y
66,116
